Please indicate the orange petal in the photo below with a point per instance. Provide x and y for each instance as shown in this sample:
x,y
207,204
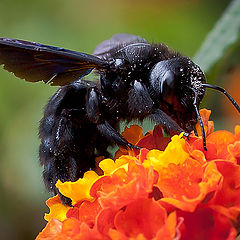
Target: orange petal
x,y
133,134
57,209
237,132
219,142
88,212
177,181
185,186
217,145
208,125
116,235
100,184
105,220
234,150
50,232
205,115
168,231
199,156
210,128
137,183
71,227
144,216
86,233
229,194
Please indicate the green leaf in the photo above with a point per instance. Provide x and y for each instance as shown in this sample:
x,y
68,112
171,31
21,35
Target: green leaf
x,y
223,35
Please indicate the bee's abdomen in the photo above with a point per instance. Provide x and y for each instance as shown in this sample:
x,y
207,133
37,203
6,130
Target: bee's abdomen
x,y
68,137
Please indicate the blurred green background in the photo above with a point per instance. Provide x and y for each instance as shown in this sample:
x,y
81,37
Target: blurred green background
x,y
78,25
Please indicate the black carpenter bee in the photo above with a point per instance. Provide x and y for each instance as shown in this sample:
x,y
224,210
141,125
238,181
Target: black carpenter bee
x,y
136,80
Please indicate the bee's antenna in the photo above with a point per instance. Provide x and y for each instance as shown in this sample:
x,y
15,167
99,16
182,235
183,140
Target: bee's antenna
x,y
220,89
199,119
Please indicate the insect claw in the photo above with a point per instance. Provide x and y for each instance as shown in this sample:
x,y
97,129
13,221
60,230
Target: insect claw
x,y
185,134
133,146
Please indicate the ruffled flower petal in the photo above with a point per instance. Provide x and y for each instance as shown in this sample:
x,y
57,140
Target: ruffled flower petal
x,y
227,198
208,125
57,209
79,190
204,223
143,216
51,231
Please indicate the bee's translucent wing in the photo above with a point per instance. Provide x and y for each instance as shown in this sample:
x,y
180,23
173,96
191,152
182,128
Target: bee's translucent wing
x,y
36,62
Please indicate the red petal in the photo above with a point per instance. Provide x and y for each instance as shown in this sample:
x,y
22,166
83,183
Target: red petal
x,y
88,212
144,216
73,213
206,224
147,142
143,154
98,185
105,220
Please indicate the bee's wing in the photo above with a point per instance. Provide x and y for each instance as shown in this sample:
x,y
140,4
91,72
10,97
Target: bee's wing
x,y
36,62
120,39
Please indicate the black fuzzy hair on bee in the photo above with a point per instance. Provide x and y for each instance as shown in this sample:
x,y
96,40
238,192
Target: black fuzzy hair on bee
x,y
136,80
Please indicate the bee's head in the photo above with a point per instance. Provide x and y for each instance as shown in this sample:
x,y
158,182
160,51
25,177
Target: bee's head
x,y
179,85
176,82
173,79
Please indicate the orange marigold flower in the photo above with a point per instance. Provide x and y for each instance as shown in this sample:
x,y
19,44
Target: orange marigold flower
x,y
171,189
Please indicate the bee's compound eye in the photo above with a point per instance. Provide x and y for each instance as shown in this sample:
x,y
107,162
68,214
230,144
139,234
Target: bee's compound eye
x,y
167,83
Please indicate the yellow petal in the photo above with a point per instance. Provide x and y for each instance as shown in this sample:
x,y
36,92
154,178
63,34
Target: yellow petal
x,y
107,165
57,209
174,153
78,190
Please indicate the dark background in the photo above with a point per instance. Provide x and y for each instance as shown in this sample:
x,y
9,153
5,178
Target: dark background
x,y
78,25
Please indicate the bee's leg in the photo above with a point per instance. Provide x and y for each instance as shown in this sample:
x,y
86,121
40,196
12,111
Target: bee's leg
x,y
165,121
139,100
106,84
92,105
106,130
113,135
